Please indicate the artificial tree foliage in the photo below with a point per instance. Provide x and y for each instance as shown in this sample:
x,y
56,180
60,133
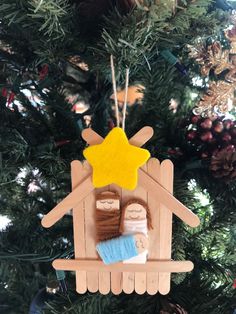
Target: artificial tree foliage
x,y
40,135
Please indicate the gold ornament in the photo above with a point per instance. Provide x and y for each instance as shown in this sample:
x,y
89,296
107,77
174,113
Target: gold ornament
x,y
211,57
135,94
231,75
219,99
230,34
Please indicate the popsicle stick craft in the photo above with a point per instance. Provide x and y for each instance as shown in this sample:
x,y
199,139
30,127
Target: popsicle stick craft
x,y
122,206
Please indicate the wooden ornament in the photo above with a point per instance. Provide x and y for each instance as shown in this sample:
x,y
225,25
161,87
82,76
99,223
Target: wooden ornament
x,y
155,184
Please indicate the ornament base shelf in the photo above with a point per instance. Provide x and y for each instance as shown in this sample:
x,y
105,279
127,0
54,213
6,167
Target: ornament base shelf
x,y
149,266
109,274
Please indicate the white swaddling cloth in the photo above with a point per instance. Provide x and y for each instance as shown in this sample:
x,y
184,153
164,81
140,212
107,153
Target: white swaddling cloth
x,y
132,227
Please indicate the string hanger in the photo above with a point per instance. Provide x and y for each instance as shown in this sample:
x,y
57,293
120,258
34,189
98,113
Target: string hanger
x,y
115,94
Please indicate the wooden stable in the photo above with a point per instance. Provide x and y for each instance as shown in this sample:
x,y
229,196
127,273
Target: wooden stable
x,y
155,187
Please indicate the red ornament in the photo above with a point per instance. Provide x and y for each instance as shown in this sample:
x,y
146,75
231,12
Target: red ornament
x,y
191,135
218,128
43,72
4,92
234,284
10,98
206,124
230,148
195,119
226,137
206,136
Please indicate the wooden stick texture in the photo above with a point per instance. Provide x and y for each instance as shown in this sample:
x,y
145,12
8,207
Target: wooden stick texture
x,y
91,137
140,281
104,282
91,265
101,280
167,199
78,173
128,277
159,192
142,136
104,278
139,139
165,218
153,168
116,277
90,236
69,202
95,281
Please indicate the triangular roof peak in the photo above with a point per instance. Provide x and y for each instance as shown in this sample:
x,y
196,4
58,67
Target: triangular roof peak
x,y
156,190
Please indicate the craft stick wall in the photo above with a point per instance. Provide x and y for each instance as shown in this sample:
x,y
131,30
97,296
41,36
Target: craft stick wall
x,y
78,173
142,278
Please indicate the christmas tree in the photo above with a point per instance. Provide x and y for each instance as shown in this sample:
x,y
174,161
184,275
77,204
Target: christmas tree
x,y
56,81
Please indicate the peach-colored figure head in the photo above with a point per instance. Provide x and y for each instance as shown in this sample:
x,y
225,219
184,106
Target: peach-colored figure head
x,y
108,201
135,210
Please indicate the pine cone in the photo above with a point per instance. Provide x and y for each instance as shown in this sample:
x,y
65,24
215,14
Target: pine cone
x,y
217,98
223,164
210,57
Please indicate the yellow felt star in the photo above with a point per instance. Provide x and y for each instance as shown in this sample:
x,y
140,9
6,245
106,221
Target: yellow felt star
x,y
116,161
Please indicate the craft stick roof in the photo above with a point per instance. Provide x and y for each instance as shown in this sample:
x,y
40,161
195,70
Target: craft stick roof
x,y
153,187
156,190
